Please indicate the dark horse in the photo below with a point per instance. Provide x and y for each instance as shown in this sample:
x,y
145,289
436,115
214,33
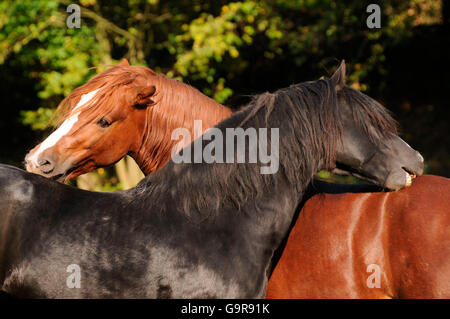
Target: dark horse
x,y
191,230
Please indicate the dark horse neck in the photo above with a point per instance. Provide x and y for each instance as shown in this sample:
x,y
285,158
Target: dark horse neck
x,y
252,211
186,231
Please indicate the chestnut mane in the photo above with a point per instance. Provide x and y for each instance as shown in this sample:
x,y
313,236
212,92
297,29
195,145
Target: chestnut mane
x,y
176,105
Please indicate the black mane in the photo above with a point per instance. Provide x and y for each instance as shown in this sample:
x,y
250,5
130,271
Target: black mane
x,y
373,118
309,125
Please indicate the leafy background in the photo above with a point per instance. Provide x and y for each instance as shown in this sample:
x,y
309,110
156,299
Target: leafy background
x,y
228,50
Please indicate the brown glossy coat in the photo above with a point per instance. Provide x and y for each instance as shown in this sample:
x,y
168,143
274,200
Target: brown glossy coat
x,y
337,236
142,108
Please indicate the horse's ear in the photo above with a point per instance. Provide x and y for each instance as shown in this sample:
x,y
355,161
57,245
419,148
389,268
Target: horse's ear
x,y
339,76
143,95
124,62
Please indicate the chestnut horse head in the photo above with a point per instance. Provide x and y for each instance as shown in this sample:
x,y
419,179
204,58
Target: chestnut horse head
x,y
123,110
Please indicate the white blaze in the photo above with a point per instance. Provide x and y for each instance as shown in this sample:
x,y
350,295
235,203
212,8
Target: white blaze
x,y
65,128
86,98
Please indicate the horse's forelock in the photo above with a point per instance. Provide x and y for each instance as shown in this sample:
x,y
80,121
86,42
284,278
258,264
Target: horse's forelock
x,y
373,118
107,82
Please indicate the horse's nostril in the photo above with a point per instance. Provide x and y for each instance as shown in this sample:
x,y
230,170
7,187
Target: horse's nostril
x,y
43,162
45,166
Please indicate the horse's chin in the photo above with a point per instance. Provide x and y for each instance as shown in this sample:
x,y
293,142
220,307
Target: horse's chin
x,y
399,179
395,181
61,178
58,178
77,171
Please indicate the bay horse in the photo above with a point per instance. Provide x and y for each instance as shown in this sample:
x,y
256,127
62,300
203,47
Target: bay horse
x,y
373,245
190,230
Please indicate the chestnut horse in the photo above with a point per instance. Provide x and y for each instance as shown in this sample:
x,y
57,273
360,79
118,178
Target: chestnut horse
x,y
374,245
123,110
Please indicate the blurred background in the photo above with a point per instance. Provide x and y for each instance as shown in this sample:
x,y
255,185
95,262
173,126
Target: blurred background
x,y
227,50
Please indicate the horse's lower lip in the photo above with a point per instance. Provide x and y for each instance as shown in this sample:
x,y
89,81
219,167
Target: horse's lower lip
x,y
409,178
63,176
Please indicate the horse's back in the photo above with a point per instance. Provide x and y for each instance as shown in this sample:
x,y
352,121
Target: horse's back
x,y
318,256
17,191
23,193
340,240
420,234
16,198
33,212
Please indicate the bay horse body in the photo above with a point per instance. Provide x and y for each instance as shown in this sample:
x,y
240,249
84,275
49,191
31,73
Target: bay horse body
x,y
188,230
373,245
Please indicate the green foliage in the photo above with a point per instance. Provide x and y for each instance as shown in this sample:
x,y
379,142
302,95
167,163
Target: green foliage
x,y
213,38
210,47
327,176
204,40
212,44
39,119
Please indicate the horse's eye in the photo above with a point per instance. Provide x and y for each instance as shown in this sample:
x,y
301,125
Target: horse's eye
x,y
103,122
